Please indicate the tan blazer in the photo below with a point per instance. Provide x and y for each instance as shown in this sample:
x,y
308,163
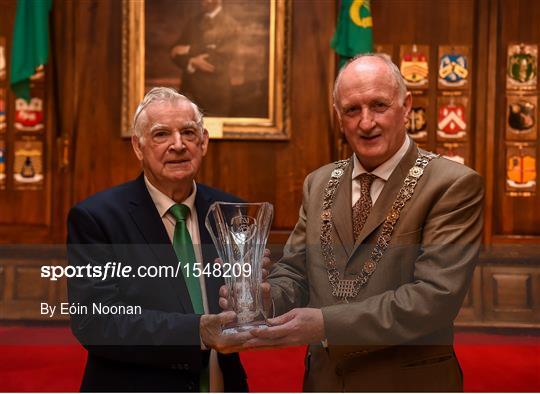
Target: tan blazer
x,y
397,334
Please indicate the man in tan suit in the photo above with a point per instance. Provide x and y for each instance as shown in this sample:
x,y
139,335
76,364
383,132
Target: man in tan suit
x,y
381,258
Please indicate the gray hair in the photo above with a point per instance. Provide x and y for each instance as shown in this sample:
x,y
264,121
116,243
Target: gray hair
x,y
394,70
162,95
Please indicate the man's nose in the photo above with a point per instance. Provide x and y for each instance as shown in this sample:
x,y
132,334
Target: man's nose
x,y
366,121
177,142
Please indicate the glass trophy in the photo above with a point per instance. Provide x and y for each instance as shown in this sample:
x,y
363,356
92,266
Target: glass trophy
x,y
240,232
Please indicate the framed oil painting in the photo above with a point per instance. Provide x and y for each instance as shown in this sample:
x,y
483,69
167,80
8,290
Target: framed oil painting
x,y
230,57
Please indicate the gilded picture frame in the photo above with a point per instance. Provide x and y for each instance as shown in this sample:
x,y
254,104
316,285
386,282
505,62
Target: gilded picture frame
x,y
261,110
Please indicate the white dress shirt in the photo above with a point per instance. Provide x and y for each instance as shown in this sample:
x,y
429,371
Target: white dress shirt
x,y
382,172
163,203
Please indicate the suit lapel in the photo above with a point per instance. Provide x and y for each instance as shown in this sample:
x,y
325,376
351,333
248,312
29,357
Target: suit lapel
x,y
382,206
342,210
146,217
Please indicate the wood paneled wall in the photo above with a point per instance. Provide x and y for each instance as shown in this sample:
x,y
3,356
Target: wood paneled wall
x,y
84,81
513,216
28,211
431,23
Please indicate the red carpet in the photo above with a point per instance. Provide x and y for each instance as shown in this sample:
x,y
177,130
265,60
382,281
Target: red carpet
x,y
51,361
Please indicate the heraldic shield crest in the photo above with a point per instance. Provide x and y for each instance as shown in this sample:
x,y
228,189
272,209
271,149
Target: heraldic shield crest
x,y
521,171
417,123
2,165
414,65
2,58
3,123
28,165
29,114
520,168
521,115
453,70
522,66
451,121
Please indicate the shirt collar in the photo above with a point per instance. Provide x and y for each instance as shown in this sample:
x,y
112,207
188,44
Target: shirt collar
x,y
163,202
385,169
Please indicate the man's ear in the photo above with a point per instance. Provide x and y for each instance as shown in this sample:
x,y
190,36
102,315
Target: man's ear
x,y
136,144
204,143
338,116
407,104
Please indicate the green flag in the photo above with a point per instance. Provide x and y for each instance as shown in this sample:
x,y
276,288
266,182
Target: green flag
x,y
354,30
30,43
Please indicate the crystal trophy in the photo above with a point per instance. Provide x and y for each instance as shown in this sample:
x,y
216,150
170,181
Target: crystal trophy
x,y
240,232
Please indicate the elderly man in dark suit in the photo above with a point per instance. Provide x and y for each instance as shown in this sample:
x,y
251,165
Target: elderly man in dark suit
x,y
156,337
381,258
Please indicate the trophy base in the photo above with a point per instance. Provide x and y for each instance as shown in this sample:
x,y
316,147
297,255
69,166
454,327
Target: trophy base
x,y
244,327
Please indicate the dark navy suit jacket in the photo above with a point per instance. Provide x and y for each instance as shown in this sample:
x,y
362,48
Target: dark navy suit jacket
x,y
159,349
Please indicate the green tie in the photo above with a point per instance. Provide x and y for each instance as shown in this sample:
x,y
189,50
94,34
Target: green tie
x,y
183,247
186,255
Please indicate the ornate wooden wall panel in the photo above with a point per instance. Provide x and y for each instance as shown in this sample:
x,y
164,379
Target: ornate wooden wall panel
x,y
435,24
102,157
511,294
22,289
25,215
513,216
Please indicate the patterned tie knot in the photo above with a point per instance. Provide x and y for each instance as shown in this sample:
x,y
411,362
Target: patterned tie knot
x,y
366,179
179,211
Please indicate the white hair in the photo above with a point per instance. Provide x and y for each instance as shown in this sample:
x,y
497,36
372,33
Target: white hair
x,y
162,95
394,70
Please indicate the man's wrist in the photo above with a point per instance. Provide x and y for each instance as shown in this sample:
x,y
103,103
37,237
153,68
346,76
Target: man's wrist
x,y
202,330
